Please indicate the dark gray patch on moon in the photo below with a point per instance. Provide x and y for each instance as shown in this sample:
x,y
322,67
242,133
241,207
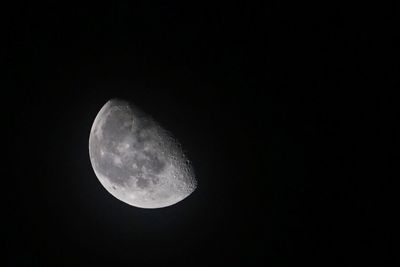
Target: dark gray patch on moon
x,y
141,182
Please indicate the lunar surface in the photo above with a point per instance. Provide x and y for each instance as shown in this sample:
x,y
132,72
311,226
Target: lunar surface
x,y
136,160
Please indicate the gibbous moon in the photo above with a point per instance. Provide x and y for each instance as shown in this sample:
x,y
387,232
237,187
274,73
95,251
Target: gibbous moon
x,y
136,160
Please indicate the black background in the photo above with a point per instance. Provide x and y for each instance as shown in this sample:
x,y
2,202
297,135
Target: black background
x,y
285,110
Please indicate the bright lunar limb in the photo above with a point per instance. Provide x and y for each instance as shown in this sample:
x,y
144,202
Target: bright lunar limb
x,y
136,160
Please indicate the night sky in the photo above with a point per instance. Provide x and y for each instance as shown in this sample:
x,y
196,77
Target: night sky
x,y
286,111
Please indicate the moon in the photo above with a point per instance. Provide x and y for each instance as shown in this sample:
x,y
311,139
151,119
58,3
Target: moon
x,y
136,160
